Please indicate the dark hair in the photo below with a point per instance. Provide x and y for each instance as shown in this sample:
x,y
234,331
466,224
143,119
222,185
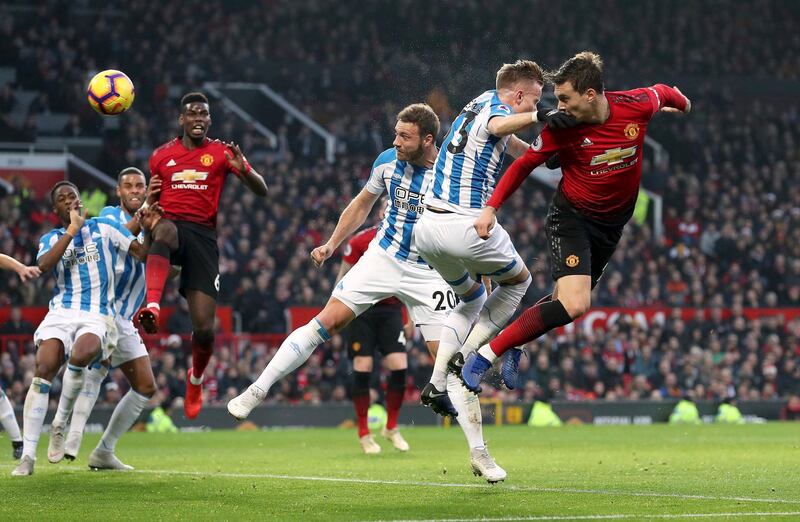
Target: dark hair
x,y
59,185
130,170
423,116
192,97
584,71
511,73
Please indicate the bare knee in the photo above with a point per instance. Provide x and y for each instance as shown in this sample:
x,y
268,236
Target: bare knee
x,y
362,364
145,389
166,232
46,371
576,305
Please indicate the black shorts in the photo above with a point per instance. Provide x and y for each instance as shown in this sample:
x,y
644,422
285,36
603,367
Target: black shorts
x,y
378,329
198,257
579,245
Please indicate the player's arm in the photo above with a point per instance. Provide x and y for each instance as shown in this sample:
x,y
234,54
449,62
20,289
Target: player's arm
x,y
516,147
505,125
670,99
24,272
245,172
353,216
48,257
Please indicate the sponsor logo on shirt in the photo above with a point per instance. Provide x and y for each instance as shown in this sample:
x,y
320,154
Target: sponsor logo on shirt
x,y
188,178
614,156
75,256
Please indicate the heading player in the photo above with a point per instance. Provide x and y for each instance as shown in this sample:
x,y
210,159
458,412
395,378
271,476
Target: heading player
x,y
391,267
601,161
193,169
7,417
130,354
470,158
79,326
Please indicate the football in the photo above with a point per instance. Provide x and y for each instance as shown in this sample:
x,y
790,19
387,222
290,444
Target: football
x,y
110,92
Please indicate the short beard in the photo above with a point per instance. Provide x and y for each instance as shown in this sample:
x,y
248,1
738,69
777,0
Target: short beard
x,y
415,156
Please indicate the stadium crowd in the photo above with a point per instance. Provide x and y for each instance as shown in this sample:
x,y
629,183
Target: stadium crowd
x,y
732,212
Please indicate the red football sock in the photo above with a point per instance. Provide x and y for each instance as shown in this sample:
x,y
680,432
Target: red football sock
x,y
156,273
201,353
533,322
361,402
395,391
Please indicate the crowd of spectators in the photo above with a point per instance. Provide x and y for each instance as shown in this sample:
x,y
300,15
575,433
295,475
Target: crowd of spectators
x,y
731,207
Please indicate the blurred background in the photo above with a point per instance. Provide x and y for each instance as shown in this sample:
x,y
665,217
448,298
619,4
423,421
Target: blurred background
x,y
702,299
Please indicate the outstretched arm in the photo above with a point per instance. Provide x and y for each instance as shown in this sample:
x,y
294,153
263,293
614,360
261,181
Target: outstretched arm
x,y
251,179
24,272
353,216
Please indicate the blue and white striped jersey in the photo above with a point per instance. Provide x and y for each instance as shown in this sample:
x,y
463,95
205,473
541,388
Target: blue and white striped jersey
x,y
129,271
470,158
406,185
85,278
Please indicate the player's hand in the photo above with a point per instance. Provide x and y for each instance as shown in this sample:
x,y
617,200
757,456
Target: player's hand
x,y
320,254
556,119
76,220
27,273
485,222
673,110
153,190
150,217
553,162
235,160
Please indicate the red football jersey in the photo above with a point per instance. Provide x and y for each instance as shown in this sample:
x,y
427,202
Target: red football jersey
x,y
192,180
356,247
601,163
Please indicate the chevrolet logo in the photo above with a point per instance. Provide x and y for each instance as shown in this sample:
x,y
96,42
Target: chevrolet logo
x,y
614,156
189,176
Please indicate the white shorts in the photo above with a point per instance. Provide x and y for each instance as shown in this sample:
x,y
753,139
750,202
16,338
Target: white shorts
x,y
377,275
68,325
129,343
450,244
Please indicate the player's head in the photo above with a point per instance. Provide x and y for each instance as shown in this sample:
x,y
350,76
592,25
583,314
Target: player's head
x,y
195,116
131,189
579,85
415,132
65,197
519,85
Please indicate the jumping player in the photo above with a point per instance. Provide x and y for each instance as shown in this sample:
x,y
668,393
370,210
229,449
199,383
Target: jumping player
x,y
601,161
391,267
193,169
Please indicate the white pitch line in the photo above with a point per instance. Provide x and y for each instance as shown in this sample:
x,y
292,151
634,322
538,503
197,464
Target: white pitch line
x,y
639,516
510,487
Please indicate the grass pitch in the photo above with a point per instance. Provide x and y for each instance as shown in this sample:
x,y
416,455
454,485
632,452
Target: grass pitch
x,y
709,472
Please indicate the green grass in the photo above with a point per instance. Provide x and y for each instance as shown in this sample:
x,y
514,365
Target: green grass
x,y
589,472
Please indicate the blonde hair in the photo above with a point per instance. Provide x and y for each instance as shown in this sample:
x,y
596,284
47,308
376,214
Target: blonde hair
x,y
511,73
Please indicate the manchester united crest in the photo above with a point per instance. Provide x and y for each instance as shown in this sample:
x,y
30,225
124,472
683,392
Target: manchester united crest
x,y
631,131
573,260
207,159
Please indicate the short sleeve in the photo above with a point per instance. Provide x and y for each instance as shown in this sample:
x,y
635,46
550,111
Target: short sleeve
x,y
375,183
111,213
46,242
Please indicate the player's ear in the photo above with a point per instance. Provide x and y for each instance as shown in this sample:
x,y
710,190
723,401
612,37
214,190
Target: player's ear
x,y
591,94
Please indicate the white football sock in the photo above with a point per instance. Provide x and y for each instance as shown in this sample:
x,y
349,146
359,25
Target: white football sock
x,y
454,332
33,414
86,398
469,411
71,385
499,308
8,419
294,351
125,414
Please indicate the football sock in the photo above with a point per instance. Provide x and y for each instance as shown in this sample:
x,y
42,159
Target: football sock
x,y
156,271
71,385
202,349
395,391
361,400
533,322
86,398
469,411
294,351
454,332
125,414
33,414
499,308
8,419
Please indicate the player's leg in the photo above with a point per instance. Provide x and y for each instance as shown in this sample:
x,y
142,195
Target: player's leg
x,y
85,351
509,371
9,422
371,279
164,242
361,340
49,358
396,361
139,373
95,375
203,311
